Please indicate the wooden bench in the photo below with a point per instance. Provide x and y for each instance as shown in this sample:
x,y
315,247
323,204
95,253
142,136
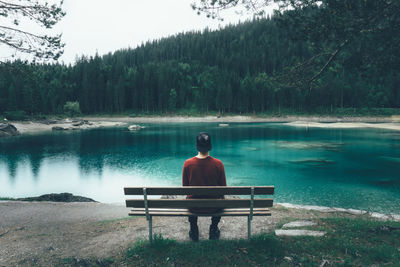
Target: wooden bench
x,y
179,207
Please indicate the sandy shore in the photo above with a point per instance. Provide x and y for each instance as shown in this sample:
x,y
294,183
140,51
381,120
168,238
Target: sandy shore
x,y
324,119
347,125
45,233
37,127
389,123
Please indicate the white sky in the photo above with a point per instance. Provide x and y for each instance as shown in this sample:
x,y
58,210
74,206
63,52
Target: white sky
x,y
108,25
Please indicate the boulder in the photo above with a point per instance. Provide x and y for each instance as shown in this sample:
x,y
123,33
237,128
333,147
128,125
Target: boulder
x,y
7,129
48,122
59,128
299,233
78,123
299,224
135,127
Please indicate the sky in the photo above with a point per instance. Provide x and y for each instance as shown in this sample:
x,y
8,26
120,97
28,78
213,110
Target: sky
x,y
105,26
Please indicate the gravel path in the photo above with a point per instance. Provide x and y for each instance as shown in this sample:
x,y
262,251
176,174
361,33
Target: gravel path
x,y
44,233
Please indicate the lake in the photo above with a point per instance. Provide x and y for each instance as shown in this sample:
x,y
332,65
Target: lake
x,y
348,168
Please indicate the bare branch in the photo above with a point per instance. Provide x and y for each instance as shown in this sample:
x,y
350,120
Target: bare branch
x,y
331,58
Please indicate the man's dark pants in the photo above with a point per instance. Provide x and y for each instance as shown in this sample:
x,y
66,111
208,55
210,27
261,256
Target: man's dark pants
x,y
214,221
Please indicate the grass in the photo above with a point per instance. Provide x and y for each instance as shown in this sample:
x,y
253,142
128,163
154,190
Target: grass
x,y
349,242
71,261
105,222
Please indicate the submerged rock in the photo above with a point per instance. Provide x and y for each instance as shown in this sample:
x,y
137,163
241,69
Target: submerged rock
x,y
386,182
312,161
62,197
392,159
7,129
310,145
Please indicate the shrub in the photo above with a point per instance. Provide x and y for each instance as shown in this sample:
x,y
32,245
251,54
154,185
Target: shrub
x,y
17,115
72,108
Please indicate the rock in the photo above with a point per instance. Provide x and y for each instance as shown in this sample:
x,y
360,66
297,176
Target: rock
x,y
299,224
299,233
47,122
223,125
59,128
135,127
78,123
7,129
62,197
288,259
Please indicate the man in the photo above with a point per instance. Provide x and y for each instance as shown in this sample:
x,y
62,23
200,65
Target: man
x,y
203,170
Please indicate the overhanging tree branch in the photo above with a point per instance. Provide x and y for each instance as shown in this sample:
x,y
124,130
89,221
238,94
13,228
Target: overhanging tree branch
x,y
331,58
40,46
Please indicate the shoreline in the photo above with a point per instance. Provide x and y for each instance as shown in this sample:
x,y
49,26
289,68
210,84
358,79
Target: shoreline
x,y
325,209
322,209
250,119
388,123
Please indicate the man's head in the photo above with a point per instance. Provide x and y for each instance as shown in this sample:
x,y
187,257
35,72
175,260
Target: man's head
x,y
203,142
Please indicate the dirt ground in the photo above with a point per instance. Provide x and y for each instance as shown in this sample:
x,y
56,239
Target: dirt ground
x,y
45,233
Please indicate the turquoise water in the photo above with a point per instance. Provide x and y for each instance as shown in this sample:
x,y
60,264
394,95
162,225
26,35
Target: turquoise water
x,y
348,168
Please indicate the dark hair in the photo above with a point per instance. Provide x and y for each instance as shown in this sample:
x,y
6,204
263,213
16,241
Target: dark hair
x,y
203,142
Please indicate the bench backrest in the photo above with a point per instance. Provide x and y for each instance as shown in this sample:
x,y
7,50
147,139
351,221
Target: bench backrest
x,y
203,191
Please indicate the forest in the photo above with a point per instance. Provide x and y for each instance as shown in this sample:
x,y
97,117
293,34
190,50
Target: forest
x,y
259,66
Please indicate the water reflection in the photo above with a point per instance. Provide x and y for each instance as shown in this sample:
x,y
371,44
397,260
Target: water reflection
x,y
35,160
12,164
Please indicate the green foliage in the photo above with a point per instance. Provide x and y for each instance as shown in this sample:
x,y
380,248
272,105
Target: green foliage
x,y
72,108
172,101
17,115
6,198
256,67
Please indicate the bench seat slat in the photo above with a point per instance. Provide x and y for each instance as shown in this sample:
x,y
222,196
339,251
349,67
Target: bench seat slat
x,y
199,203
187,213
201,190
186,210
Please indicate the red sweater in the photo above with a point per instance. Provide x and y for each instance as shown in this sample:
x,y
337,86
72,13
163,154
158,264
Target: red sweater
x,y
203,172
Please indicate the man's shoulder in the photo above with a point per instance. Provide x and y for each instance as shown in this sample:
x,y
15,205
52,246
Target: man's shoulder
x,y
217,161
190,161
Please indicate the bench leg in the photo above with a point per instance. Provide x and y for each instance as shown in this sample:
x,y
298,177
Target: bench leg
x,y
248,227
150,229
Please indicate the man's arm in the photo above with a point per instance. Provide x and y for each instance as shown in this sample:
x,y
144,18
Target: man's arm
x,y
185,177
222,177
